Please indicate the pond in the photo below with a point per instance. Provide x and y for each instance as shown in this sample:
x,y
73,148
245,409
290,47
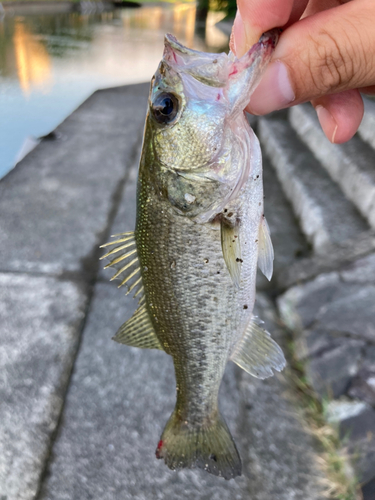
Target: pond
x,y
51,62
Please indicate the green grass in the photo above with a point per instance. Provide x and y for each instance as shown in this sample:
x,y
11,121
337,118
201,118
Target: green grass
x,y
339,482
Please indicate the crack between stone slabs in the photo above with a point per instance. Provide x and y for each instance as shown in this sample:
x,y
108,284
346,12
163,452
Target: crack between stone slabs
x,y
88,279
243,427
322,268
73,276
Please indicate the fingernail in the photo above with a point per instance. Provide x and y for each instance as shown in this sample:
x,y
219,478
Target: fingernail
x,y
238,36
327,122
273,92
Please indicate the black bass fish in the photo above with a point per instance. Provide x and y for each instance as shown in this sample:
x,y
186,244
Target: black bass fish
x,y
200,234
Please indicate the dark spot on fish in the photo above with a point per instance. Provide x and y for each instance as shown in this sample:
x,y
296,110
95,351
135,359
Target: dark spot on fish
x,y
256,241
218,97
214,149
257,176
259,203
239,260
234,241
230,214
218,272
235,236
245,306
248,406
213,457
214,61
206,261
215,299
226,210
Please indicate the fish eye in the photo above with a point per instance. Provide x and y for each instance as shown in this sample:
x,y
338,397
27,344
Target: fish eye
x,y
165,108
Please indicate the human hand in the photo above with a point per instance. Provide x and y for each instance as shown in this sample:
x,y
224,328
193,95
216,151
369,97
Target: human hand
x,y
325,55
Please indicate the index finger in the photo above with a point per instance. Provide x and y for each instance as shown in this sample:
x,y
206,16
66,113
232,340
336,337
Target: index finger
x,y
259,16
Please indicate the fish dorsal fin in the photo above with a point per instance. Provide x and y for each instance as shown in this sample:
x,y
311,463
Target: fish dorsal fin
x,y
138,331
231,247
265,250
126,262
257,353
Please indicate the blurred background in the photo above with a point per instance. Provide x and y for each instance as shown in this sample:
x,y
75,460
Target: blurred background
x,y
54,54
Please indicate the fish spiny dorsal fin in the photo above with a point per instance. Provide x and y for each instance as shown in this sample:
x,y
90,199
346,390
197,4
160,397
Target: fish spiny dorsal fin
x,y
138,331
231,247
257,353
265,250
126,262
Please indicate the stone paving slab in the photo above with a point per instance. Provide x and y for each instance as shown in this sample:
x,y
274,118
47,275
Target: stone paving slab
x,y
288,241
367,128
325,215
41,319
351,165
125,218
119,401
338,257
55,204
333,318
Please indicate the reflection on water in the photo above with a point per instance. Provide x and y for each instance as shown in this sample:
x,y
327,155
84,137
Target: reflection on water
x,y
32,60
50,63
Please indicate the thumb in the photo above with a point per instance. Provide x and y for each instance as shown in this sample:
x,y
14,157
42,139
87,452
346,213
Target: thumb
x,y
325,53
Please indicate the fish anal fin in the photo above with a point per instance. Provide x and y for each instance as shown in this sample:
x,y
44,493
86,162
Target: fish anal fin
x,y
231,247
265,250
257,353
138,331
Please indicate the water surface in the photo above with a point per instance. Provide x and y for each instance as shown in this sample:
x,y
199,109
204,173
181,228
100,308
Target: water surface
x,y
50,63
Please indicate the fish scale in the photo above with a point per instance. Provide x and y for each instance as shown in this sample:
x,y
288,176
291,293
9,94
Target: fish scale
x,y
200,233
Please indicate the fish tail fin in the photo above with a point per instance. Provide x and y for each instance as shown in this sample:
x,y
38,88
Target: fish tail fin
x,y
209,447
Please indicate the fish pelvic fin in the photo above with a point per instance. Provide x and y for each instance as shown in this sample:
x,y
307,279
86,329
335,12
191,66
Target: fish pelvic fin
x,y
265,250
257,353
126,262
209,447
138,331
231,247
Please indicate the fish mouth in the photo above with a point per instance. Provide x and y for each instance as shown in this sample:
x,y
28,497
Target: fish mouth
x,y
208,68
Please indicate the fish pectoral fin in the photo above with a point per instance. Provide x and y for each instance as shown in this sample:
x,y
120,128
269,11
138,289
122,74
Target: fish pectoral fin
x,y
257,353
265,250
126,262
138,331
231,247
